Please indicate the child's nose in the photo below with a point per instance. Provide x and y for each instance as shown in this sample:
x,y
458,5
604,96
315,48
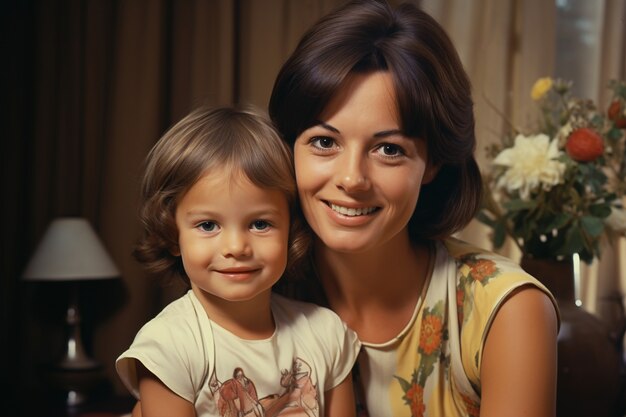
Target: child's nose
x,y
235,244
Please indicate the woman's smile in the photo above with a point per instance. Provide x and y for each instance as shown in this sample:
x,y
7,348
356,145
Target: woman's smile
x,y
351,211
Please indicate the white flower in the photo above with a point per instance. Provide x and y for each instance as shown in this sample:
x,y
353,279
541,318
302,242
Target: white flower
x,y
530,163
564,132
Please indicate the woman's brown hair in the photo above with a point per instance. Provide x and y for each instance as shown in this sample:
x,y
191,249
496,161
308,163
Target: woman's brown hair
x,y
239,139
433,91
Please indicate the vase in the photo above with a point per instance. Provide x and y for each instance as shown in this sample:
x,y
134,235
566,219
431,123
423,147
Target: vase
x,y
589,365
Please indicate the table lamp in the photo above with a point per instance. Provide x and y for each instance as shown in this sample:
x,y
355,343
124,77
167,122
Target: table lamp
x,y
70,251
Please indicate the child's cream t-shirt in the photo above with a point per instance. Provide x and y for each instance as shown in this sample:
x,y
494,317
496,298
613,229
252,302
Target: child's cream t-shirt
x,y
310,352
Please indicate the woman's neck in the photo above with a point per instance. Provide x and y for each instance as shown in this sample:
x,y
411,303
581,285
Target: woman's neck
x,y
375,293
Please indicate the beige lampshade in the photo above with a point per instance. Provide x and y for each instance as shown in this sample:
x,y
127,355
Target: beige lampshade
x,y
70,250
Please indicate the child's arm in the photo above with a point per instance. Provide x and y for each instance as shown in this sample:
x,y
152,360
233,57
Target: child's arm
x,y
340,400
159,401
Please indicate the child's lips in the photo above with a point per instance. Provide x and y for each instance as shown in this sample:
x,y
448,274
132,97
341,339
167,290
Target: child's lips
x,y
240,270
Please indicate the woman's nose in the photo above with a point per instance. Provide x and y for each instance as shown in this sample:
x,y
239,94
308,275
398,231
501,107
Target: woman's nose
x,y
235,244
352,175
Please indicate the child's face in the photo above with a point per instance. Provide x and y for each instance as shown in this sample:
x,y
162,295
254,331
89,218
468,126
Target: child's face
x,y
232,236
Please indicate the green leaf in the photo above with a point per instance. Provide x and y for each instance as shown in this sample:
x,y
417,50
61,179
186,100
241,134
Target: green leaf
x,y
406,385
592,225
614,134
600,210
499,235
597,120
485,219
558,222
518,205
574,241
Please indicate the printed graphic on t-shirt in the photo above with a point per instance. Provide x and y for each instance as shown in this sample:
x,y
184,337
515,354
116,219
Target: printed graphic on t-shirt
x,y
297,394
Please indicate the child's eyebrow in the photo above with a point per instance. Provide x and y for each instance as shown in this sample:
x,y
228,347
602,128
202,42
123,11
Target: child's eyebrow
x,y
267,211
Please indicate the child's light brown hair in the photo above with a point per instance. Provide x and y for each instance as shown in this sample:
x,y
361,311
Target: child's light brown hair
x,y
239,139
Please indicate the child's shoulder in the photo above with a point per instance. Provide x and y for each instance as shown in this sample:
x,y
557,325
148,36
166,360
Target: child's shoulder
x,y
178,316
281,301
295,308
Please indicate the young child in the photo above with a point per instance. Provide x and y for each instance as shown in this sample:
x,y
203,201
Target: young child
x,y
219,210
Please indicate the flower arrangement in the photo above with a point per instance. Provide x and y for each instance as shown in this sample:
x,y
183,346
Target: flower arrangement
x,y
558,188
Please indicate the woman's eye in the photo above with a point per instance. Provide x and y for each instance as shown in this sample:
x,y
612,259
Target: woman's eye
x,y
259,225
207,226
390,150
322,142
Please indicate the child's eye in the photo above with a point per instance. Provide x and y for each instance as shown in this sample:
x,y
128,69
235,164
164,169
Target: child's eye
x,y
322,142
390,150
207,226
260,225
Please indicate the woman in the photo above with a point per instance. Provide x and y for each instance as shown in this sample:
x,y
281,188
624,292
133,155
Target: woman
x,y
378,110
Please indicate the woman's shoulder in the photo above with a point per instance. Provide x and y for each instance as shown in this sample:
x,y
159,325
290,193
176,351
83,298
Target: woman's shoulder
x,y
485,280
484,266
465,252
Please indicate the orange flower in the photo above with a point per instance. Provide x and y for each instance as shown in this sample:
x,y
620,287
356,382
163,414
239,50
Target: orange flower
x,y
473,408
482,268
617,114
415,395
584,145
430,335
460,298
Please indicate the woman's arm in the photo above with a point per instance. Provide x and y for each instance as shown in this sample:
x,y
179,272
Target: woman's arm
x,y
159,401
340,400
519,365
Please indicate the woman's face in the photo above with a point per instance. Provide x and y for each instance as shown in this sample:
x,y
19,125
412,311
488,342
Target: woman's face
x,y
358,176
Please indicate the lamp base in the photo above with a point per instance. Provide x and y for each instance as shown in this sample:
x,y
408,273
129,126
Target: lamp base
x,y
75,388
75,357
78,364
75,398
76,372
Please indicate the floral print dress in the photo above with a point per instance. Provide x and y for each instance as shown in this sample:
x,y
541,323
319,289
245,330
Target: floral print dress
x,y
432,368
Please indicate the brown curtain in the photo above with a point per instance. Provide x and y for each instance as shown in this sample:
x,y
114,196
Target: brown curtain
x,y
90,86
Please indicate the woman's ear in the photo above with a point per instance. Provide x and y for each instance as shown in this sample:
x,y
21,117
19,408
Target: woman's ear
x,y
430,172
175,250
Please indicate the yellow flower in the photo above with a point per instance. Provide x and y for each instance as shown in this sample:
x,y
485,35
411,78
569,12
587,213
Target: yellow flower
x,y
541,87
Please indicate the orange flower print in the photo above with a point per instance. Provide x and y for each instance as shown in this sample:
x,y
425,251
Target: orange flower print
x,y
481,269
430,335
460,299
415,397
472,407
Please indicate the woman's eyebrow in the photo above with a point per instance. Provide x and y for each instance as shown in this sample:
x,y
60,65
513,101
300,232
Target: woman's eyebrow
x,y
381,134
386,133
327,126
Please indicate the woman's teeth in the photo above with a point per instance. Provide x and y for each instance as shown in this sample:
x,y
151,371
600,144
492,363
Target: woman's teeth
x,y
346,211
